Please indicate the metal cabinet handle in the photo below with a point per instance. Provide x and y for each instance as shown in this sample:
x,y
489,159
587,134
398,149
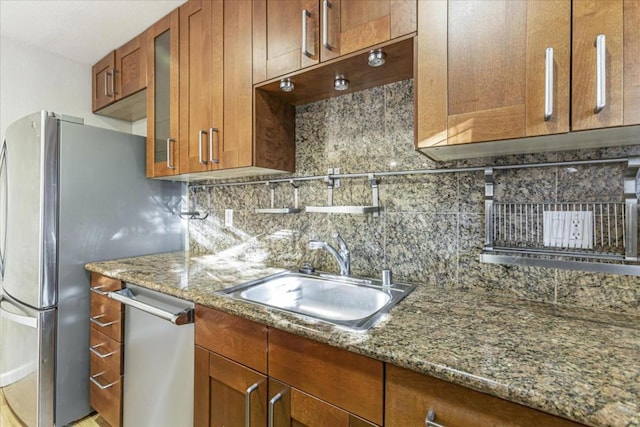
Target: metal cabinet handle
x,y
94,379
96,290
548,85
325,24
93,349
247,394
305,14
95,320
430,420
111,74
272,404
211,131
126,297
601,73
200,135
169,165
106,84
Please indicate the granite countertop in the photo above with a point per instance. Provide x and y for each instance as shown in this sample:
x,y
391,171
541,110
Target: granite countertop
x,y
574,363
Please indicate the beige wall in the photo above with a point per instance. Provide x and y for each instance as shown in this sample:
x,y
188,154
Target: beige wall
x,y
32,79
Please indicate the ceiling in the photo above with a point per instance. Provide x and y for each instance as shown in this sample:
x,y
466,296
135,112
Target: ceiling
x,y
81,30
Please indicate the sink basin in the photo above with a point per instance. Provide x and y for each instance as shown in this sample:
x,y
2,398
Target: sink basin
x,y
346,301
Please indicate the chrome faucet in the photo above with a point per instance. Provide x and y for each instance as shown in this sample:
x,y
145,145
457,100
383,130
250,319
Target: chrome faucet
x,y
343,256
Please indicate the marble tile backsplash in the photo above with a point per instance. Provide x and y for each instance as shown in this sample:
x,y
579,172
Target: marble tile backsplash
x,y
431,229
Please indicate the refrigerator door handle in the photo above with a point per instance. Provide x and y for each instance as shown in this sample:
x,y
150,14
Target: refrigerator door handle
x,y
4,205
30,322
178,317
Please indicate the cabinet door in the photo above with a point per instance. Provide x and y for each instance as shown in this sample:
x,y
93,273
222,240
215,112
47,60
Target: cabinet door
x,y
233,143
606,68
162,97
496,68
410,397
280,45
482,76
201,80
103,85
131,67
225,392
351,25
291,407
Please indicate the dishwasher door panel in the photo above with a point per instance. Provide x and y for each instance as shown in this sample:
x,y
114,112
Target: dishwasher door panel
x,y
158,371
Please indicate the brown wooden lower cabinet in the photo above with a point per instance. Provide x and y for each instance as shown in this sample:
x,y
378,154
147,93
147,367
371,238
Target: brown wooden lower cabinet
x,y
226,392
410,397
107,369
320,385
311,384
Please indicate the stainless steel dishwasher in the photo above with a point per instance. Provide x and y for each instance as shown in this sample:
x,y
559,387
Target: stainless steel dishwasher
x,y
158,358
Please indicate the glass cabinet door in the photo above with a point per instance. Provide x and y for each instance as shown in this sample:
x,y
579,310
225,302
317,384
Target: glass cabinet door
x,y
162,98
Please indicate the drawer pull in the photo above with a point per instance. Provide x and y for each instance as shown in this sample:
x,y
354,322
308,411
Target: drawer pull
x,y
95,320
272,404
94,379
98,291
247,421
94,350
430,421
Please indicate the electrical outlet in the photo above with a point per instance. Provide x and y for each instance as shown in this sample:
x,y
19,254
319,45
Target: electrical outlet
x,y
568,229
576,229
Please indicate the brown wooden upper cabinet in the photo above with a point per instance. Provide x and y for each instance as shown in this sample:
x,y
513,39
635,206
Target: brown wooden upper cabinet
x,y
162,97
490,70
606,64
200,104
201,85
290,35
118,76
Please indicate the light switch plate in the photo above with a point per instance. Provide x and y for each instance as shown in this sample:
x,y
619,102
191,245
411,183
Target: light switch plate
x,y
568,229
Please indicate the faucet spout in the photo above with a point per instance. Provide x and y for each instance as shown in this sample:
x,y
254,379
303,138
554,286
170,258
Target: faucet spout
x,y
343,257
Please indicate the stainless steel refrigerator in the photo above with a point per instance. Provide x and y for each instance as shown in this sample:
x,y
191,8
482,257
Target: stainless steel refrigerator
x,y
69,194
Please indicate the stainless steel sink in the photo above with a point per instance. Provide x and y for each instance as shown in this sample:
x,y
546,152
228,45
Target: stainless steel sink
x,y
346,301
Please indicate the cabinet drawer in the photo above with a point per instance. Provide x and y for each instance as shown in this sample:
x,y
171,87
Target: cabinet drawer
x,y
106,350
108,401
233,337
410,395
100,285
347,380
104,283
296,408
105,319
